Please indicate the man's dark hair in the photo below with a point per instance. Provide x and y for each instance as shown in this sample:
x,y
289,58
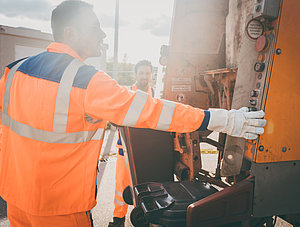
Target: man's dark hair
x,y
142,63
64,15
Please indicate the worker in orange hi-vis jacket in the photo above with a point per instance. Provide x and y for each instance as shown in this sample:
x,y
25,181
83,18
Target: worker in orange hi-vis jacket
x,y
54,112
142,72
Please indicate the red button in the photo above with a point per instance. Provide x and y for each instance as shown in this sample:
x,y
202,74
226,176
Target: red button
x,y
261,43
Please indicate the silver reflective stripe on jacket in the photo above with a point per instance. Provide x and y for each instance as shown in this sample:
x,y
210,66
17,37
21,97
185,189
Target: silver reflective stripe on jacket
x,y
135,108
51,137
166,115
62,104
119,202
63,96
118,193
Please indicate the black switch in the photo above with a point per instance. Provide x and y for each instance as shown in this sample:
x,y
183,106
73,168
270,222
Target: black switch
x,y
252,109
259,66
254,93
253,102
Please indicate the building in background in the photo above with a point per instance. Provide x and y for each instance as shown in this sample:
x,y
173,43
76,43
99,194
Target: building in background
x,y
16,43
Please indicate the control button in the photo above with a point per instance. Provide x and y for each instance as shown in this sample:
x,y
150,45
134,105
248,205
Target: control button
x,y
253,102
261,148
252,108
257,85
261,58
262,43
278,51
259,76
258,8
254,93
259,66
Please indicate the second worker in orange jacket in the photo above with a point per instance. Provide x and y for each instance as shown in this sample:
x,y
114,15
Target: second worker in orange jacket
x,y
142,72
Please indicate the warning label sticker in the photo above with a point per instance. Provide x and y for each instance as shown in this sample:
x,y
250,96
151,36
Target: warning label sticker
x,y
178,88
181,80
255,29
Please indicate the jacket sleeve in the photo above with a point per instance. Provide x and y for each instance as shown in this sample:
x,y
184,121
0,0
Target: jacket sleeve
x,y
107,100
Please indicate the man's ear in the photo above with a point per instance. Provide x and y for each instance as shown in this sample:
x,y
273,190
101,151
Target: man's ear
x,y
70,35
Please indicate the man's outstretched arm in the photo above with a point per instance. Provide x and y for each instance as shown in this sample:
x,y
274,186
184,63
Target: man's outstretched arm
x,y
105,99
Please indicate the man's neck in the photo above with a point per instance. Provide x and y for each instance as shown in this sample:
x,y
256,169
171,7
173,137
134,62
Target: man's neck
x,y
145,89
75,48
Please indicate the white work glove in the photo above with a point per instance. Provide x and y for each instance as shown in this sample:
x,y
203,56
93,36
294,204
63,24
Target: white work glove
x,y
238,123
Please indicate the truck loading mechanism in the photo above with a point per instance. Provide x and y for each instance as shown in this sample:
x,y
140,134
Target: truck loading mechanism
x,y
224,54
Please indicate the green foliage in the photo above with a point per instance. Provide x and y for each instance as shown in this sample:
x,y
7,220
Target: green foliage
x,y
125,71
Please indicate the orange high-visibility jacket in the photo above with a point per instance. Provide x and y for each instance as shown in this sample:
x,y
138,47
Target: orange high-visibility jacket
x,y
54,112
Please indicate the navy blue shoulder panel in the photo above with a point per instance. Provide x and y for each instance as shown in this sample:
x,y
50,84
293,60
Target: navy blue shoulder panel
x,y
51,66
83,76
47,65
14,63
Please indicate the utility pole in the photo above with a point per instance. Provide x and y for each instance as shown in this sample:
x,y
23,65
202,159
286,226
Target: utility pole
x,y
110,138
116,39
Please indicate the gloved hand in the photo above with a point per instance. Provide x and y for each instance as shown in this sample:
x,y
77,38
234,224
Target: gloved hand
x,y
238,123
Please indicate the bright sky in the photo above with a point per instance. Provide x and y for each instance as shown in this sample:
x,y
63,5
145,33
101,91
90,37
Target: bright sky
x,y
144,25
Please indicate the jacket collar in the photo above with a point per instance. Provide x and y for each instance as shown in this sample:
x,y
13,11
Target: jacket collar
x,y
64,49
134,88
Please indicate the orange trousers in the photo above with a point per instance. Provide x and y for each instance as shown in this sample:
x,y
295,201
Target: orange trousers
x,y
122,181
19,218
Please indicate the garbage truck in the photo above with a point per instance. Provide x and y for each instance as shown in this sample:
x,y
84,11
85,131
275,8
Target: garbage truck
x,y
224,54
